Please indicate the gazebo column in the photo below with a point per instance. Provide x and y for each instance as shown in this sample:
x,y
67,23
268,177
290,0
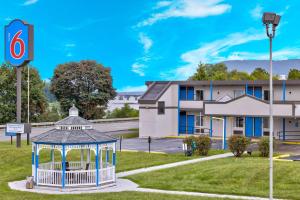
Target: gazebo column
x,y
81,158
36,162
106,156
32,160
101,162
63,166
97,165
114,160
114,155
88,156
52,158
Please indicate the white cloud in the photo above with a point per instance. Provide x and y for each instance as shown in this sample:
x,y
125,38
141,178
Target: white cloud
x,y
70,45
145,41
162,4
211,53
282,54
187,9
257,12
140,88
69,54
29,2
138,68
140,63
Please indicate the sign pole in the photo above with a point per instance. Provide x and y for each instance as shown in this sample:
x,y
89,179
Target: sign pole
x,y
28,111
19,107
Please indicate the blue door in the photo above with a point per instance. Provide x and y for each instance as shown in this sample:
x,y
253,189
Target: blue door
x,y
257,126
182,94
249,126
258,92
182,122
190,93
258,120
191,124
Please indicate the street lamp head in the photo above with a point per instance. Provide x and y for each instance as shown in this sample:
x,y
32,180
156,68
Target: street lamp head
x,y
268,18
277,19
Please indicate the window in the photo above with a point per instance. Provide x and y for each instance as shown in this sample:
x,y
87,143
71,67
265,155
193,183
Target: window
x,y
266,122
199,120
120,97
161,108
199,95
266,95
238,93
186,93
239,122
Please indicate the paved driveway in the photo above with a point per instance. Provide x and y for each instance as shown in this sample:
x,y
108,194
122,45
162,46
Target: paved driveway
x,y
168,145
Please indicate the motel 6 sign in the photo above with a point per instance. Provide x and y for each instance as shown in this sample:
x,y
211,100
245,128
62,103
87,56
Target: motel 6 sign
x,y
18,38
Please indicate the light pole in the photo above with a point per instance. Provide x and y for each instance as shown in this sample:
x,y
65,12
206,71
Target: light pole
x,y
271,19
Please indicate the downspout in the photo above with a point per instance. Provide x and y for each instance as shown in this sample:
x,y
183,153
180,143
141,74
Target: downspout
x,y
211,98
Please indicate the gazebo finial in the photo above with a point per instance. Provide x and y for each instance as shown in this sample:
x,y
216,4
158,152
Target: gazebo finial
x,y
73,111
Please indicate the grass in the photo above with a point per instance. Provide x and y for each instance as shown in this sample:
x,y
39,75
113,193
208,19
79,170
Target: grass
x,y
133,134
15,164
240,176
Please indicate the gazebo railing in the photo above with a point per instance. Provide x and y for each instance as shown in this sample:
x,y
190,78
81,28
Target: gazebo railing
x,y
72,165
75,177
82,177
49,177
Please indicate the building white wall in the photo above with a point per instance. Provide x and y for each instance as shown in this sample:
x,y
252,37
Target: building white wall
x,y
163,125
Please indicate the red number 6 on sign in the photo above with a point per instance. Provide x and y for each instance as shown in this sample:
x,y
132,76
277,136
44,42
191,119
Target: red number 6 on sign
x,y
13,44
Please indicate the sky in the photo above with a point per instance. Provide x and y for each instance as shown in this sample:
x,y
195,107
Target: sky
x,y
142,40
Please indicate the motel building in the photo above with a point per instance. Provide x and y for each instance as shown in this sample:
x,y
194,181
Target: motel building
x,y
174,108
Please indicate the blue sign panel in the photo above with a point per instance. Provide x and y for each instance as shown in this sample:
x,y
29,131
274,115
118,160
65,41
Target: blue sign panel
x,y
18,40
10,134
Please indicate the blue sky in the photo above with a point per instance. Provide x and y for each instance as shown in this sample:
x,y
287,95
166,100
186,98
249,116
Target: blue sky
x,y
152,40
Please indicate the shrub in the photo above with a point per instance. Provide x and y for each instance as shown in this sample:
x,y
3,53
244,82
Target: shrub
x,y
238,144
263,146
189,141
203,144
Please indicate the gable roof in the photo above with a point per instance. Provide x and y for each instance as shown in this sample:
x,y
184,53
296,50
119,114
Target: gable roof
x,y
154,92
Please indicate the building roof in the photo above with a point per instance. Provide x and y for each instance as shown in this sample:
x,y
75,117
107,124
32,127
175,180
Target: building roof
x,y
154,92
59,137
73,120
226,82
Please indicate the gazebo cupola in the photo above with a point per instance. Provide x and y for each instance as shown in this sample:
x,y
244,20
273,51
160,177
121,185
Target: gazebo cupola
x,y
73,121
74,133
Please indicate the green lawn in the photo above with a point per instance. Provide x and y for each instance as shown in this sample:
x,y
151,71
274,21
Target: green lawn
x,y
15,164
241,176
134,133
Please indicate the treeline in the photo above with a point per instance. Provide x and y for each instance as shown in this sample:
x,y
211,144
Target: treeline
x,y
220,71
86,84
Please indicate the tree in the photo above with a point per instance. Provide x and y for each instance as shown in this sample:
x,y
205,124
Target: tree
x,y
123,112
87,84
37,101
259,74
210,72
237,75
294,74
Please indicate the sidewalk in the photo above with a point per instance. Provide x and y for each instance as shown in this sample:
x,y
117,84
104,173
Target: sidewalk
x,y
199,194
176,164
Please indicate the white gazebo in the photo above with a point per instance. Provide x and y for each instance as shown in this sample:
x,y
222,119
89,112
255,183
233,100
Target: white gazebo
x,y
74,133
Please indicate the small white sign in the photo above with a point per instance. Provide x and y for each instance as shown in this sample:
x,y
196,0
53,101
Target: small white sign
x,y
15,128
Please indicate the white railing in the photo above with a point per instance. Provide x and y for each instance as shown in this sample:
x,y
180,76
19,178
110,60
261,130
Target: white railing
x,y
83,177
49,177
107,175
74,177
72,165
